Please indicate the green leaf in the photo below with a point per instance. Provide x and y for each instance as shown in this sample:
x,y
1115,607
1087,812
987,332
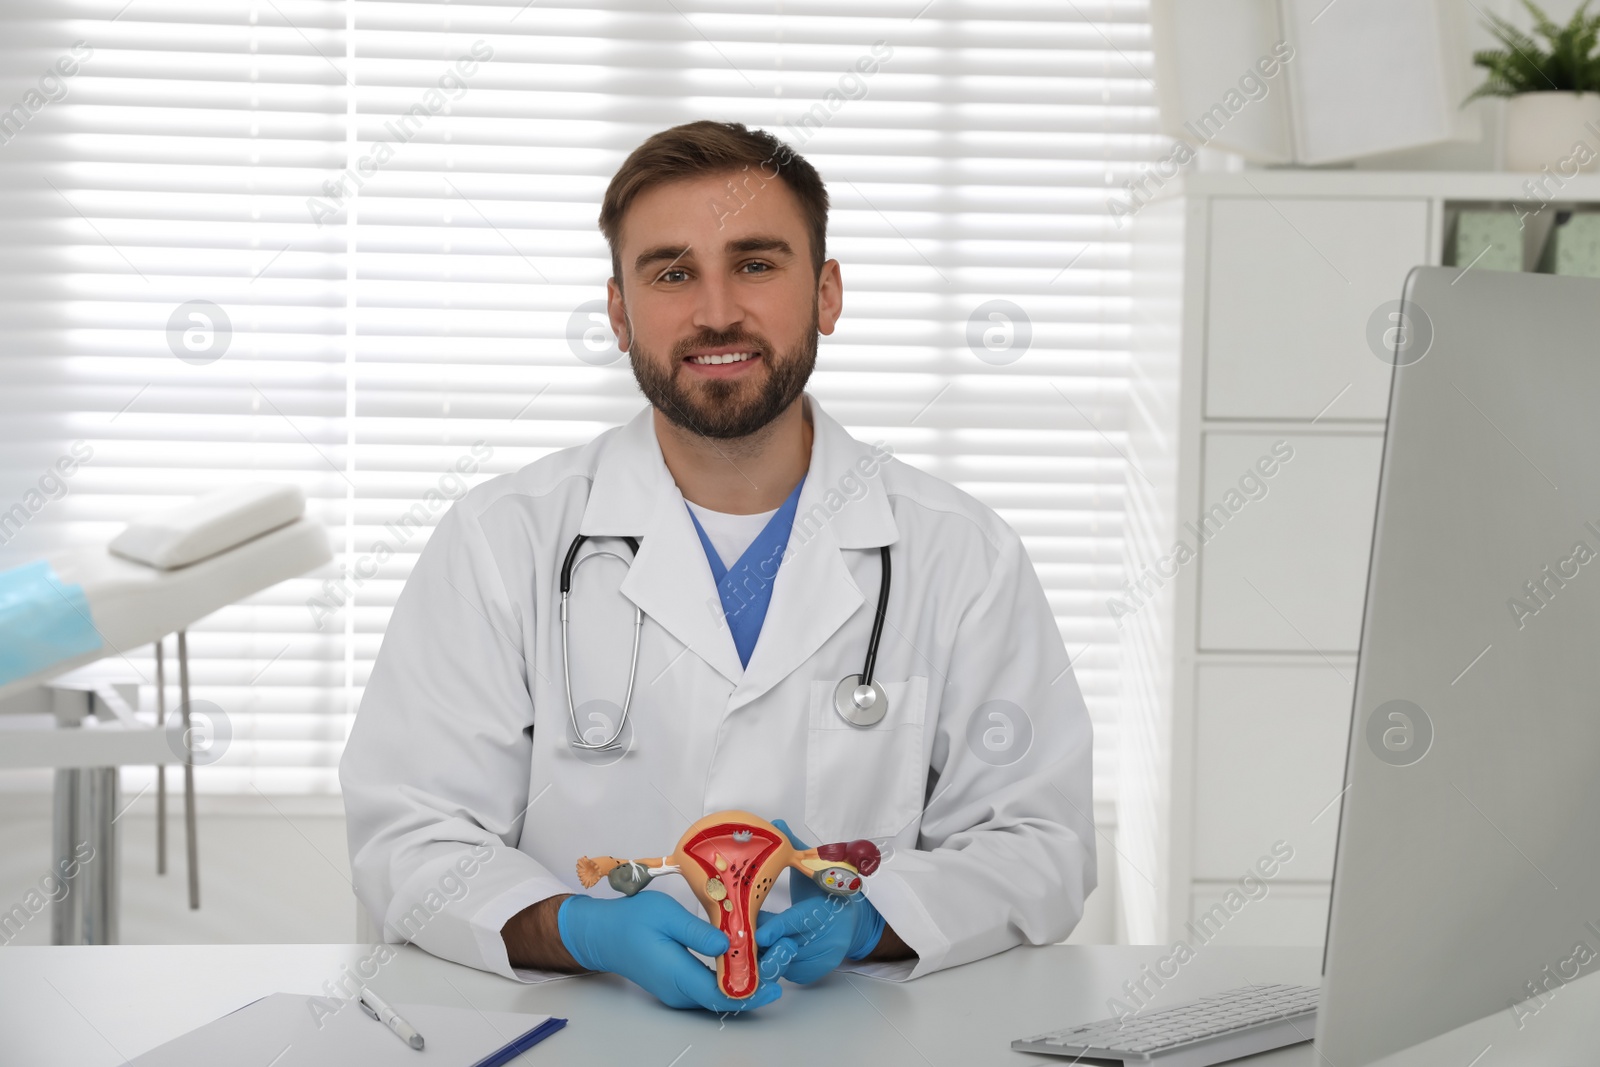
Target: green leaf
x,y
1565,61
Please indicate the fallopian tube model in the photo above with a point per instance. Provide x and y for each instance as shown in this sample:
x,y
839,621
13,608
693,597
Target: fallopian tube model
x,y
731,860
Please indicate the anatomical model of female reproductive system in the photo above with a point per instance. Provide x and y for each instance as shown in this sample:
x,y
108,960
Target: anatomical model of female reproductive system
x,y
731,859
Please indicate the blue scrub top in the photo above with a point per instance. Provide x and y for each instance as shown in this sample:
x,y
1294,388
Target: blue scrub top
x,y
746,587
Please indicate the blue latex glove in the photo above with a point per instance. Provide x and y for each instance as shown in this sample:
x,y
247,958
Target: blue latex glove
x,y
825,930
646,938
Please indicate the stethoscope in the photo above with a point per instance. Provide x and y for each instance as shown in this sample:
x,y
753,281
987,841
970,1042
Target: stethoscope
x,y
858,699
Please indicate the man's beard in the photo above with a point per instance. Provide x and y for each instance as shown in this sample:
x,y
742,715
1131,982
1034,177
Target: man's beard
x,y
718,408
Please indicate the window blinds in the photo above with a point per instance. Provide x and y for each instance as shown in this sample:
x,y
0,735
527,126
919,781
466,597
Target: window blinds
x,y
352,245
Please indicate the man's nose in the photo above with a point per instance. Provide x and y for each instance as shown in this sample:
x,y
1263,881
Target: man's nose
x,y
717,308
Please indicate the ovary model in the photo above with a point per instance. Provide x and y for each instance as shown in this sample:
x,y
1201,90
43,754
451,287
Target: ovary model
x,y
731,860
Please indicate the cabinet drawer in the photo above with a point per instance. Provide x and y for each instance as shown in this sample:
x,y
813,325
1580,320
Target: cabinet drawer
x,y
1269,760
1286,915
1285,571
1292,284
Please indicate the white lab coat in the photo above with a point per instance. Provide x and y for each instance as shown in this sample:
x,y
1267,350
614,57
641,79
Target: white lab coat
x,y
466,803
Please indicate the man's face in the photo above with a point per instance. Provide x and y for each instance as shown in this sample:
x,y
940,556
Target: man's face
x,y
719,309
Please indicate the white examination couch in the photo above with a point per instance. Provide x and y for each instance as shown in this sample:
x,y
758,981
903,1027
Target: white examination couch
x,y
159,576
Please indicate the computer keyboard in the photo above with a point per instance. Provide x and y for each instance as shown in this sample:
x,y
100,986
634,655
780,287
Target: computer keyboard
x,y
1213,1029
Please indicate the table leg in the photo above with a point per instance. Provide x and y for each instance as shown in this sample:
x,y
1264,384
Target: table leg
x,y
86,857
64,926
191,844
100,888
161,768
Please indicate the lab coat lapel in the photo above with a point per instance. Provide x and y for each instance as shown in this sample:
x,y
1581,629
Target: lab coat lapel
x,y
811,598
670,581
841,508
814,593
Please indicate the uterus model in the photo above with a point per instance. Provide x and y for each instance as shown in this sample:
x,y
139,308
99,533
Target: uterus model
x,y
731,859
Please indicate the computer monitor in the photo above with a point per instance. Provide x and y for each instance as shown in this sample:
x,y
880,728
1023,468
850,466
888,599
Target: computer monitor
x,y
1467,872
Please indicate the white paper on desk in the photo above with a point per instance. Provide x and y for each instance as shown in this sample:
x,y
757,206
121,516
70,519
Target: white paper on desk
x,y
282,1030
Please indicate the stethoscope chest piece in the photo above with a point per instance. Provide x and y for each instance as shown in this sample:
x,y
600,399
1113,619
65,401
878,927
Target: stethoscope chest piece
x,y
860,705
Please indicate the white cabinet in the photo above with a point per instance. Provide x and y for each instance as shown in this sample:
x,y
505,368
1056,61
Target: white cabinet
x,y
1292,283
1285,566
1238,657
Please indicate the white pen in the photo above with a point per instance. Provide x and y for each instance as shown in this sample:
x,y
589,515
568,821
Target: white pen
x,y
374,1006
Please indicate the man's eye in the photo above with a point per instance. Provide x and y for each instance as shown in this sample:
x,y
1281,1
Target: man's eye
x,y
666,274
757,263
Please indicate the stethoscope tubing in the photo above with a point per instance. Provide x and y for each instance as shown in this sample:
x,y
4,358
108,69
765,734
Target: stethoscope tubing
x,y
567,567
571,563
877,620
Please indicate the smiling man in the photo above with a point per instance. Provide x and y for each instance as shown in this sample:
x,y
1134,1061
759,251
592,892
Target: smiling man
x,y
757,558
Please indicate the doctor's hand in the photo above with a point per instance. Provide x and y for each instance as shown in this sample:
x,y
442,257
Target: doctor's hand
x,y
645,938
825,930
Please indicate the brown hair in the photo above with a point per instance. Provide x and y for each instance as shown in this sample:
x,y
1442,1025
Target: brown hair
x,y
707,147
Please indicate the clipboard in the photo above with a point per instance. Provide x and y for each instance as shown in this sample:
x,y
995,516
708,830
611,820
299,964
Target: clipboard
x,y
305,1031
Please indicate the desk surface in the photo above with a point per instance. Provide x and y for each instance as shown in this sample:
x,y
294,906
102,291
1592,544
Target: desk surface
x,y
93,1006
97,1006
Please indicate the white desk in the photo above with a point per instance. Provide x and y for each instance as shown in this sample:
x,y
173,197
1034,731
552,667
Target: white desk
x,y
92,1006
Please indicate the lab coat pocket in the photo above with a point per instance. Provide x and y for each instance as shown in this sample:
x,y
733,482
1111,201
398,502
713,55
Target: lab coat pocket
x,y
865,782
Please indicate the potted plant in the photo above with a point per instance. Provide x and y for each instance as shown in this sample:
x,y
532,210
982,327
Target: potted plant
x,y
1552,88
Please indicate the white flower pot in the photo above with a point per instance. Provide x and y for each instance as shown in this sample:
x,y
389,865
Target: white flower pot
x,y
1547,129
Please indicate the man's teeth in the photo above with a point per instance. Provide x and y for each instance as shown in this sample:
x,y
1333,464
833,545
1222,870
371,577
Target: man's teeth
x,y
731,357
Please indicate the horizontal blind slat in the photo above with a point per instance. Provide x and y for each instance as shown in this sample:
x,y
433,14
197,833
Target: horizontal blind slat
x,y
975,164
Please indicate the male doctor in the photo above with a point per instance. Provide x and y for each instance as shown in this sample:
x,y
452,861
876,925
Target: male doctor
x,y
759,524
